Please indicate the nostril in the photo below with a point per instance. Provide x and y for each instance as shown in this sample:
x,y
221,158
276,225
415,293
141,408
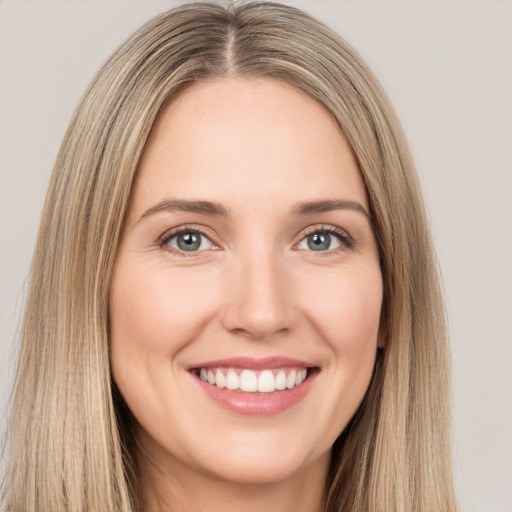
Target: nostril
x,y
256,326
259,305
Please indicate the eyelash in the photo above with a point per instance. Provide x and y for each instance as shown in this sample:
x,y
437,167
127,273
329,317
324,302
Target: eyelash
x,y
346,241
168,236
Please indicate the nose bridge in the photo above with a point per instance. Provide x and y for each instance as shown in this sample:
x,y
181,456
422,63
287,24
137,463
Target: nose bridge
x,y
259,299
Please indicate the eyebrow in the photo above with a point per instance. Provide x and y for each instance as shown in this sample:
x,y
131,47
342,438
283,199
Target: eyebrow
x,y
326,205
217,209
182,205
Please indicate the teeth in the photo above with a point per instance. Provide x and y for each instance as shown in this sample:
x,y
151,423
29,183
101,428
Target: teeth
x,y
249,381
281,381
232,380
266,382
291,379
220,380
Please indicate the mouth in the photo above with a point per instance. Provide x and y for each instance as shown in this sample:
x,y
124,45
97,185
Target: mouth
x,y
255,387
253,381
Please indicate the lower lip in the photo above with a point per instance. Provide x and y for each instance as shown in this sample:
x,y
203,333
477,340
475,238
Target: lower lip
x,y
261,404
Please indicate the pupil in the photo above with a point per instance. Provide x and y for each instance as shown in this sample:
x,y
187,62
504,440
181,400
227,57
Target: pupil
x,y
189,241
319,241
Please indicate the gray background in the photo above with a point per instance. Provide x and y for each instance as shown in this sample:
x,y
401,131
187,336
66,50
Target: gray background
x,y
447,66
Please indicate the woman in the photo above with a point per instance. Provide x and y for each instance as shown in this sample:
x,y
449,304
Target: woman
x,y
234,300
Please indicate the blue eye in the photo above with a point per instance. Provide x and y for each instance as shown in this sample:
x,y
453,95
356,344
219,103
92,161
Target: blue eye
x,y
325,239
187,240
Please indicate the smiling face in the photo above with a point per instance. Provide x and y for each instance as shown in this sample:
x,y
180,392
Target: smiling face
x,y
247,261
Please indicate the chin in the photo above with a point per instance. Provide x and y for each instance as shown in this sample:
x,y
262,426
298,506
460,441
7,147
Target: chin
x,y
260,460
268,471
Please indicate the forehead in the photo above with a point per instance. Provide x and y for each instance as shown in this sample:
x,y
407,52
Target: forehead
x,y
242,140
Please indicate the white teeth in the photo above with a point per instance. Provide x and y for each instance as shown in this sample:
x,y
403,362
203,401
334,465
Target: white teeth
x,y
232,380
301,376
250,381
291,379
281,381
220,380
266,382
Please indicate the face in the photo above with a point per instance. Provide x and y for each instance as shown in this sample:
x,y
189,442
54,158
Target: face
x,y
247,291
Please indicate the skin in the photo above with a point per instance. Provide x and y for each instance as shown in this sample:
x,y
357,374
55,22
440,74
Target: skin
x,y
254,288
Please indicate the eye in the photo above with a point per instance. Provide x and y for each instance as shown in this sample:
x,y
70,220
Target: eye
x,y
326,238
186,241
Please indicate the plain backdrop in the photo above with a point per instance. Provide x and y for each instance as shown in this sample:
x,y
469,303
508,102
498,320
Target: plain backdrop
x,y
447,66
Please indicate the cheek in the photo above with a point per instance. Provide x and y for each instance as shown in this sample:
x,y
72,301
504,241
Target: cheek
x,y
153,310
345,314
346,308
154,314
348,317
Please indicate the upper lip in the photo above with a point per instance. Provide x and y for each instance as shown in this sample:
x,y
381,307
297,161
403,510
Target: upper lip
x,y
251,363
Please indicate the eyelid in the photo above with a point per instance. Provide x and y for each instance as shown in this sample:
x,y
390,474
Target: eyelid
x,y
347,242
186,228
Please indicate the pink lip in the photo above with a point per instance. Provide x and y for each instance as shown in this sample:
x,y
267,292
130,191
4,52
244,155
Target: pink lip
x,y
259,404
254,364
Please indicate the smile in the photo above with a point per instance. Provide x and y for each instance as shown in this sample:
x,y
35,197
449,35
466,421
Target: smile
x,y
251,381
262,387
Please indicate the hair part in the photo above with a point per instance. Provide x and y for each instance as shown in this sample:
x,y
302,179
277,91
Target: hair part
x,y
70,439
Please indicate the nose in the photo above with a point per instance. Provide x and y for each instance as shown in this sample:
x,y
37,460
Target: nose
x,y
259,297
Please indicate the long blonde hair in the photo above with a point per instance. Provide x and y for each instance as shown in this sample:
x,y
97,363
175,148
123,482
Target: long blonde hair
x,y
70,440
